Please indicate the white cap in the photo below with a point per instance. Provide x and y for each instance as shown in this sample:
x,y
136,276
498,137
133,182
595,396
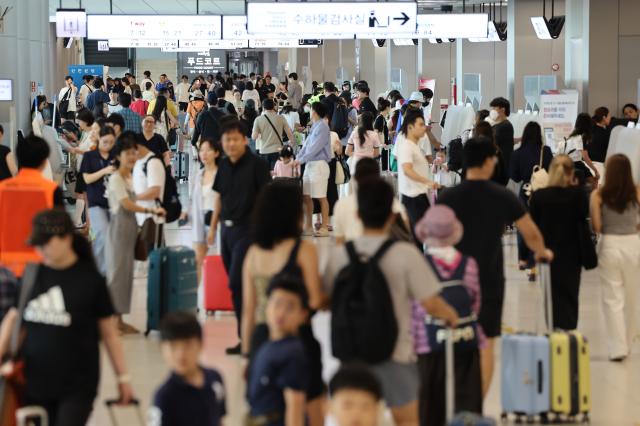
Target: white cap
x,y
416,97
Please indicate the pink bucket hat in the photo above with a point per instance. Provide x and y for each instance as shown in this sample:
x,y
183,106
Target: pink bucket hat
x,y
439,227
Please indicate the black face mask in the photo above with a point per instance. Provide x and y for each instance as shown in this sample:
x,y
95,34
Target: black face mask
x,y
426,103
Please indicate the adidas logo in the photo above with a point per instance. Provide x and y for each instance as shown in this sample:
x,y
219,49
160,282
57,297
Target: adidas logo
x,y
48,308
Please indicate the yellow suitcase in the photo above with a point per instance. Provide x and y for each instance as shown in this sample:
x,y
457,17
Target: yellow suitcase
x,y
570,374
560,373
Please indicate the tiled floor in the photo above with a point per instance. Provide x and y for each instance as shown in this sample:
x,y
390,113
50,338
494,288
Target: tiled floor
x,y
616,399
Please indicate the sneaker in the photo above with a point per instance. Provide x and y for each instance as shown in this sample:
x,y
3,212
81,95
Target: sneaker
x,y
307,233
322,232
234,350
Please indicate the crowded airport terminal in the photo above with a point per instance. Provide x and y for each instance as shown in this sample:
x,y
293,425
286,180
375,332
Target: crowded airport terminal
x,y
319,213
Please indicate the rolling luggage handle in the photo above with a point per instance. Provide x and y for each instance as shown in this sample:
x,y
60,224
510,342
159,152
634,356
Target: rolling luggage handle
x,y
546,305
134,402
450,380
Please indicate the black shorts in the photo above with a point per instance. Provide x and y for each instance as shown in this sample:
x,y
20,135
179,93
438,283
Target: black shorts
x,y
183,106
315,387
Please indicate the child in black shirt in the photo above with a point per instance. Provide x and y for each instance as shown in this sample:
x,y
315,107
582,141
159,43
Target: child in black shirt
x,y
192,395
278,375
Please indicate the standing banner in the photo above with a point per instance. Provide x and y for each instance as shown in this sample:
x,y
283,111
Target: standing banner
x,y
558,112
77,71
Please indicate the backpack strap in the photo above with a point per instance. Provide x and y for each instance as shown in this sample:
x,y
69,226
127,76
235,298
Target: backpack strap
x,y
382,250
146,163
351,251
274,129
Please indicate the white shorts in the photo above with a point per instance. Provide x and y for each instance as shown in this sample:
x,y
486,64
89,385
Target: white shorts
x,y
315,179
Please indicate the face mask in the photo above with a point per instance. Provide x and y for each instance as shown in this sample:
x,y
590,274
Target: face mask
x,y
426,103
493,115
307,109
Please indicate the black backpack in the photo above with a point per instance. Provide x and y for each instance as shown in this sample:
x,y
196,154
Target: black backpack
x,y
170,199
363,321
454,161
340,120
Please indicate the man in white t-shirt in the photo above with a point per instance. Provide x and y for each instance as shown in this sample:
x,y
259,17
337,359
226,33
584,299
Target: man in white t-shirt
x,y
347,226
148,181
68,94
413,169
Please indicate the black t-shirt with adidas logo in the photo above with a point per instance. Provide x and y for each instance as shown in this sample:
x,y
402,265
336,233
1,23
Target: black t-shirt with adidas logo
x,y
61,346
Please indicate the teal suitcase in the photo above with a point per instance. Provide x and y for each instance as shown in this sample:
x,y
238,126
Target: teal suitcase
x,y
172,284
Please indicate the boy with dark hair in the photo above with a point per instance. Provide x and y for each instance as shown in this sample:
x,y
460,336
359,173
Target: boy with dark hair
x,y
192,395
355,395
278,374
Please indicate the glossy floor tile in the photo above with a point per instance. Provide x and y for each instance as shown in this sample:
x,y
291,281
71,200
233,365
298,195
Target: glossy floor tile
x,y
616,395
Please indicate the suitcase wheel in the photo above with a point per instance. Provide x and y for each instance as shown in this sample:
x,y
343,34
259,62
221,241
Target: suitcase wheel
x,y
544,418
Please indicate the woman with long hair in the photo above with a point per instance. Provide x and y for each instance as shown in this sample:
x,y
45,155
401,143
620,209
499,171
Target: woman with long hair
x,y
164,119
576,147
247,118
123,227
559,210
279,249
532,152
68,311
203,198
364,141
614,215
380,125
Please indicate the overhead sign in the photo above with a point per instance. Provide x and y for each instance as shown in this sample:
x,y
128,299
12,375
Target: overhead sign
x,y
457,25
202,63
71,23
154,27
331,20
234,28
282,43
103,45
142,43
78,71
6,89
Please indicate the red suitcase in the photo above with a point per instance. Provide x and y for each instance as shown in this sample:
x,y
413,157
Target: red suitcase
x,y
217,296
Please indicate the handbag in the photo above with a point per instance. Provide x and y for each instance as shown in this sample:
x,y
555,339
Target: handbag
x,y
588,254
172,134
63,106
12,386
399,230
539,176
342,171
146,240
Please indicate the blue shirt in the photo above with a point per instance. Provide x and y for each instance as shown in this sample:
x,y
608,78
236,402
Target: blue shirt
x,y
98,96
132,121
178,403
317,147
278,365
92,162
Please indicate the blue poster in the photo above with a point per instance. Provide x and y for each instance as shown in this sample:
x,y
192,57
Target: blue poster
x,y
77,71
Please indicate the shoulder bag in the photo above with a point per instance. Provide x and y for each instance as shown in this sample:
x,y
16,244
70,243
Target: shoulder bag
x,y
588,254
12,386
146,240
539,176
63,107
274,129
172,134
342,170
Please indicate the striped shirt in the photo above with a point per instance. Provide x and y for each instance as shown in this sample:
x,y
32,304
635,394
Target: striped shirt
x,y
471,282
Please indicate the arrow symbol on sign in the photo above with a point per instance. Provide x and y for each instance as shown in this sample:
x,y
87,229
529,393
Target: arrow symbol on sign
x,y
404,18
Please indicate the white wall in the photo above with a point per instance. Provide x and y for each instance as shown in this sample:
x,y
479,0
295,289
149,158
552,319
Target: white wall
x,y
26,47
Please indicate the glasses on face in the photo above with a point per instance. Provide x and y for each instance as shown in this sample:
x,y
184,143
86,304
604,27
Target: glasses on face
x,y
150,122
